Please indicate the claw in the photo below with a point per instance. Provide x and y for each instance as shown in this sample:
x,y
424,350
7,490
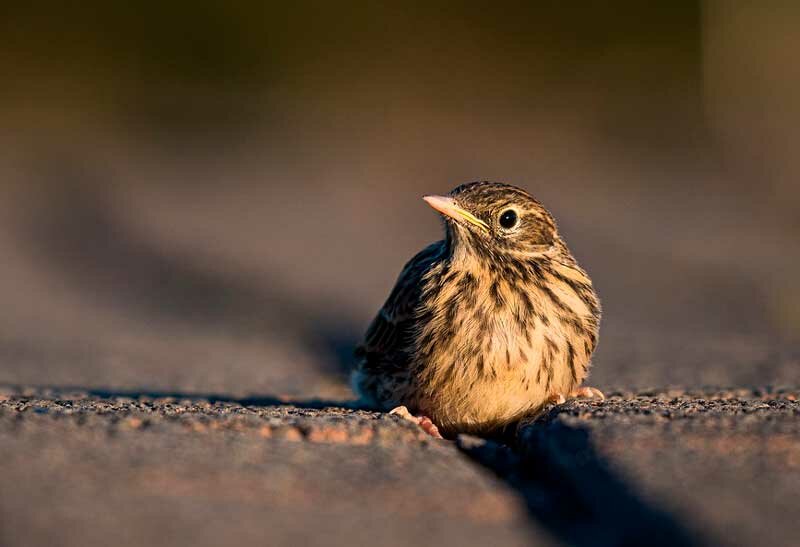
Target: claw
x,y
403,412
587,393
423,422
580,393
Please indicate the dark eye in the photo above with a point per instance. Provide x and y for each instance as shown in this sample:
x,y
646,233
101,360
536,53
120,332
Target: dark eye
x,y
508,219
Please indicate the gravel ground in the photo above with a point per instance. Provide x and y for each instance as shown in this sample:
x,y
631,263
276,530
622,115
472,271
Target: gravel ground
x,y
670,467
78,470
183,336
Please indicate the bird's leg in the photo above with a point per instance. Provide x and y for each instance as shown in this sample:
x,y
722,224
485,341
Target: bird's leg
x,y
578,393
423,422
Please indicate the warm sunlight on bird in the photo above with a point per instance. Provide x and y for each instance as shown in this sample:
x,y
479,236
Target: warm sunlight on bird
x,y
486,326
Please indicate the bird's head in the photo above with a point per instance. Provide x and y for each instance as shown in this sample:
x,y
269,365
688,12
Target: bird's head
x,y
496,217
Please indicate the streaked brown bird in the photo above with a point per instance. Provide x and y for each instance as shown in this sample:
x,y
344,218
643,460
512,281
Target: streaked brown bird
x,y
486,326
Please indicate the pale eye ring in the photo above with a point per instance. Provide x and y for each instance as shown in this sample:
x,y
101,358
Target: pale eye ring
x,y
508,219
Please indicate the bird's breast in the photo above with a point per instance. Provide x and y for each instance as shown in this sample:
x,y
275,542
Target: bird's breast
x,y
490,348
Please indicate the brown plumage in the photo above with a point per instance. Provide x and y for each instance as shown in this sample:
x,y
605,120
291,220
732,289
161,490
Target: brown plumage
x,y
487,325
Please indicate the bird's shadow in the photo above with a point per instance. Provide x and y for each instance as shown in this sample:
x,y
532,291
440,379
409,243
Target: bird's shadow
x,y
572,490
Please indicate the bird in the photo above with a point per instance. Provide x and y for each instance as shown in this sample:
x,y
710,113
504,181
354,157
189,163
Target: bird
x,y
486,326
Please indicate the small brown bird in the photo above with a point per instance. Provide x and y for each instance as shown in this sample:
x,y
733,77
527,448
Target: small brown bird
x,y
486,326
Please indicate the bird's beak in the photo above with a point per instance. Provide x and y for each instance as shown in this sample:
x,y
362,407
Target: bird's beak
x,y
447,206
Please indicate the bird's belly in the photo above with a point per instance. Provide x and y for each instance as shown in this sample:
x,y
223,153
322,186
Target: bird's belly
x,y
495,380
485,407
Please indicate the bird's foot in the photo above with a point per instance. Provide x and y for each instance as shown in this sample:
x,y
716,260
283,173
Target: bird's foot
x,y
579,393
587,392
423,422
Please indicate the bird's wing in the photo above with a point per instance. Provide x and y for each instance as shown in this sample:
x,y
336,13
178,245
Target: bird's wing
x,y
391,326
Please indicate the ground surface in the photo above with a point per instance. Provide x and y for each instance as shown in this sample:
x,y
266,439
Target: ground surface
x,y
85,468
153,330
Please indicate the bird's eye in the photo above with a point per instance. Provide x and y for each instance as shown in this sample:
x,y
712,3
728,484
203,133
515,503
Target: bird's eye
x,y
508,219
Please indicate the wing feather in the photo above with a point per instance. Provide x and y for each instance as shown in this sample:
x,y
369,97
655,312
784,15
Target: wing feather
x,y
389,331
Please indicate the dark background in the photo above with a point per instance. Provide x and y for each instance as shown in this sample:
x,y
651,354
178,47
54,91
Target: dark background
x,y
216,197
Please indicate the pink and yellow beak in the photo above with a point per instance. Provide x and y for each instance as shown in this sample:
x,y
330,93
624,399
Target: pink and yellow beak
x,y
447,206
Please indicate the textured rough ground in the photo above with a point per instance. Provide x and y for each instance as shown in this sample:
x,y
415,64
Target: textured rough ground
x,y
671,467
81,471
81,468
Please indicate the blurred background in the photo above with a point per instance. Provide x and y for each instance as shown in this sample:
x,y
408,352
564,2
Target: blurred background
x,y
216,197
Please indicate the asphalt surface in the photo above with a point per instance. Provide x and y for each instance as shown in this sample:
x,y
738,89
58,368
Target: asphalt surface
x,y
176,325
659,467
